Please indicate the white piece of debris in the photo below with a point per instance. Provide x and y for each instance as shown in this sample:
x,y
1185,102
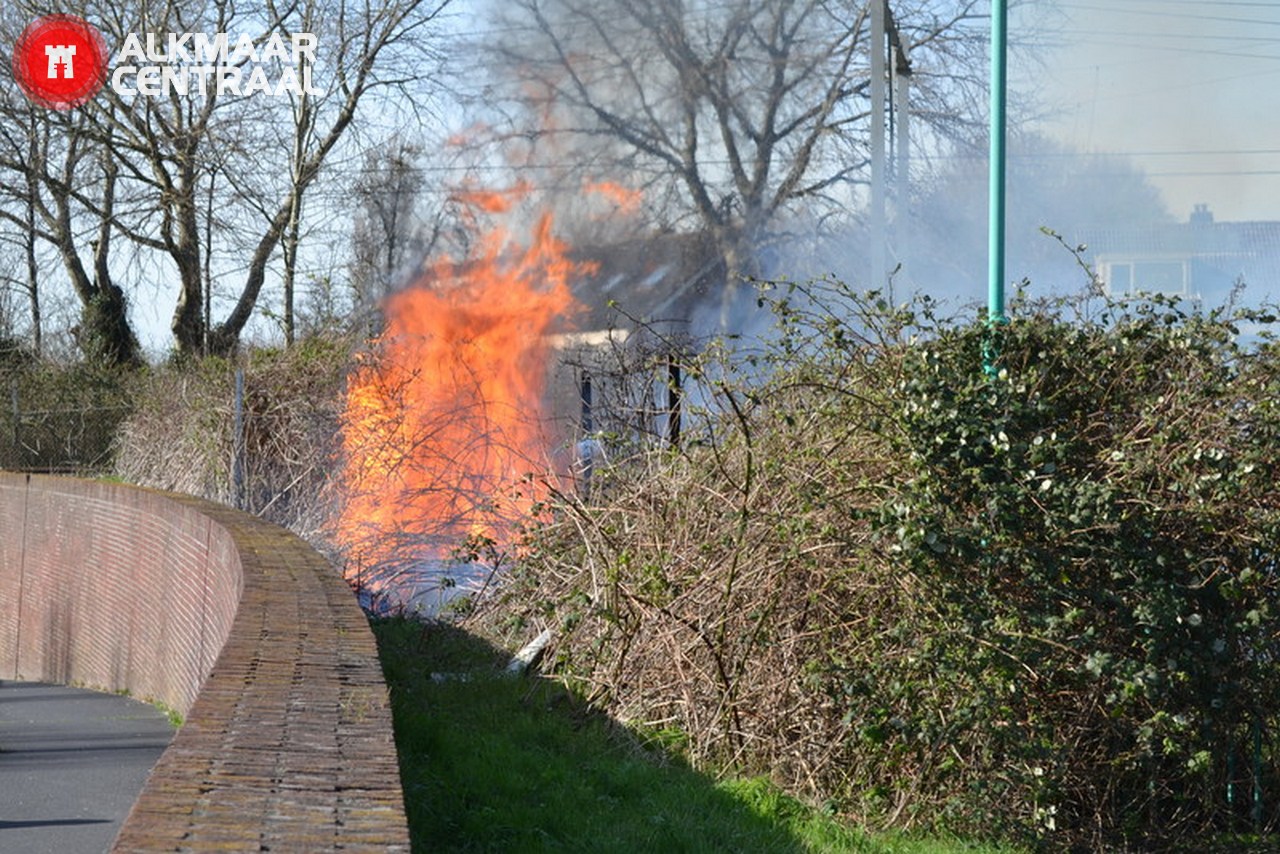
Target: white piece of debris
x,y
529,655
439,678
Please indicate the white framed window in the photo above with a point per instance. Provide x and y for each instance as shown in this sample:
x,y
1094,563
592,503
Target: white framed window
x,y
1146,275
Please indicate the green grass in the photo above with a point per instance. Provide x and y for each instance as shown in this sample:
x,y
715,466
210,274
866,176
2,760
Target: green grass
x,y
494,763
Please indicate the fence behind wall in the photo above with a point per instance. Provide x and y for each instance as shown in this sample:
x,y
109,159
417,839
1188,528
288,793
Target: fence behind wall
x,y
36,437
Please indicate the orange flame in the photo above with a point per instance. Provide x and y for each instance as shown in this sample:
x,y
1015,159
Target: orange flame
x,y
442,421
491,201
625,199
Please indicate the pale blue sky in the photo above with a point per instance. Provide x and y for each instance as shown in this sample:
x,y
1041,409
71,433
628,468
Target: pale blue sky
x,y
1191,88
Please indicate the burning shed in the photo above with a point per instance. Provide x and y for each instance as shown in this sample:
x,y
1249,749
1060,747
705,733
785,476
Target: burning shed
x,y
460,418
645,304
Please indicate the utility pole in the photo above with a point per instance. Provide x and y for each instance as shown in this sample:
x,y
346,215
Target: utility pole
x,y
901,70
879,264
886,44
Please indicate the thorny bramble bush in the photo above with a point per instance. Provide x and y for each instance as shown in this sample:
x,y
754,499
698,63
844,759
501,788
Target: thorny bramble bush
x,y
180,435
1038,605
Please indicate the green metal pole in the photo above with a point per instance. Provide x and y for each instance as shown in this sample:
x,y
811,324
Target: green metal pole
x,y
1231,778
1257,775
995,205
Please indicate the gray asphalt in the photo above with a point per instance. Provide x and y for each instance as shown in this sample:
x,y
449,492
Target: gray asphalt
x,y
72,763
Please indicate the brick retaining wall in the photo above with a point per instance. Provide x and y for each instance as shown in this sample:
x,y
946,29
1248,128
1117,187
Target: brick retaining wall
x,y
234,623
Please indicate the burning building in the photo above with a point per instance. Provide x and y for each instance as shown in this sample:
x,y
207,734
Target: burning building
x,y
463,415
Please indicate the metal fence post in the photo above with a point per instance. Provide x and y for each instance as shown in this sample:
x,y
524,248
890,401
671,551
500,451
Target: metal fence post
x,y
586,446
17,413
237,443
673,400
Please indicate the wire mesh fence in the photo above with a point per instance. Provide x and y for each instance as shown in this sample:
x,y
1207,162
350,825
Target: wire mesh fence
x,y
74,439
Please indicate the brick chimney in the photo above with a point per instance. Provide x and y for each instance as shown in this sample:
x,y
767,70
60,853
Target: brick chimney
x,y
1201,215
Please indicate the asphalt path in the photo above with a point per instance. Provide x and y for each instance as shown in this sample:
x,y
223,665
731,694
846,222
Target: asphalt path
x,y
72,763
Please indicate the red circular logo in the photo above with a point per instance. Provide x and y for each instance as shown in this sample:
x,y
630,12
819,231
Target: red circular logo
x,y
60,61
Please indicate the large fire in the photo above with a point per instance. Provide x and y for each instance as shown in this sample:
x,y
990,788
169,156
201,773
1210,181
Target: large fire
x,y
441,436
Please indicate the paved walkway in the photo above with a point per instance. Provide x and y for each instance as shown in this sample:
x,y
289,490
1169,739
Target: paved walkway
x,y
72,763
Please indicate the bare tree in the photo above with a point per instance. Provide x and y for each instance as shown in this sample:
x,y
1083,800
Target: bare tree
x,y
66,189
22,242
10,286
732,114
209,183
29,240
386,230
366,37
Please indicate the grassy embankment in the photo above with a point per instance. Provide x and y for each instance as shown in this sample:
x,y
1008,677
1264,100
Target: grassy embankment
x,y
493,763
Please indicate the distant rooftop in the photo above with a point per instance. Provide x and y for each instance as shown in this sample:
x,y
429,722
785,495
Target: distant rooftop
x,y
1200,257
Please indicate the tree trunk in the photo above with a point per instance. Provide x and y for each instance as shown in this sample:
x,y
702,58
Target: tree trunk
x,y
291,240
106,336
188,320
224,337
33,268
188,317
738,252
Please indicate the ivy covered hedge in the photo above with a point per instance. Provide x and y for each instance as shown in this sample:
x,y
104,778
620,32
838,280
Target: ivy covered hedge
x,y
1097,529
1036,602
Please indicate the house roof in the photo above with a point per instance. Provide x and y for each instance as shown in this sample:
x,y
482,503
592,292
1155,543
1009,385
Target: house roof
x,y
1218,254
1244,239
659,280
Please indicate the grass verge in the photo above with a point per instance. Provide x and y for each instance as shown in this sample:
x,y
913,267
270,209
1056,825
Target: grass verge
x,y
494,763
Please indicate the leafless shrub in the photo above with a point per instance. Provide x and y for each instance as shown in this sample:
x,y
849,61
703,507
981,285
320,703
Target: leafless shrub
x,y
181,435
697,586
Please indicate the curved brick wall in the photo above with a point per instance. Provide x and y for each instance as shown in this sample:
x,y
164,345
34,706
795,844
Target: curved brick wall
x,y
236,624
